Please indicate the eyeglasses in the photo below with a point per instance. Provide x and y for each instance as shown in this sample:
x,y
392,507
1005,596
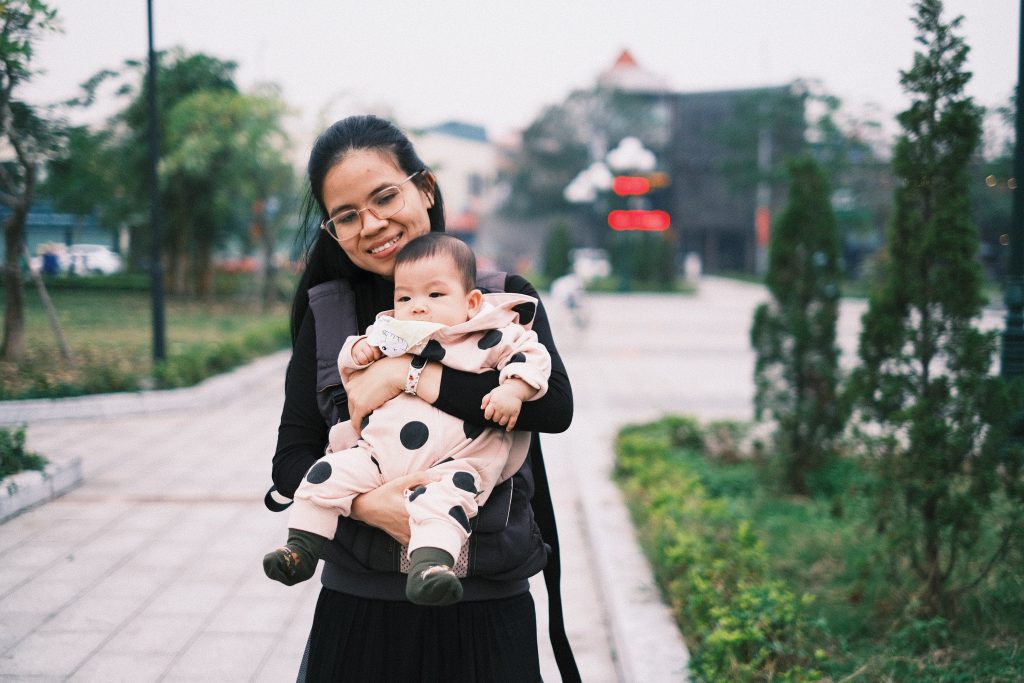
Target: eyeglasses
x,y
384,204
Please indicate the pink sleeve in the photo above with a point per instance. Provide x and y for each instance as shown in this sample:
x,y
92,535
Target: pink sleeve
x,y
526,358
346,364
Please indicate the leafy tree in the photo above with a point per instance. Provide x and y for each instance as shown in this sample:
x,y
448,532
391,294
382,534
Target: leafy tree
x,y
223,163
82,174
179,76
951,494
226,151
794,335
567,137
770,114
31,136
556,251
125,140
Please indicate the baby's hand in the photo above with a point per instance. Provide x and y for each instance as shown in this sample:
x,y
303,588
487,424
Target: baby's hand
x,y
502,405
365,353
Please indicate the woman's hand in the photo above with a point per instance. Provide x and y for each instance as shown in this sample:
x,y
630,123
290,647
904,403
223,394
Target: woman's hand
x,y
384,507
371,388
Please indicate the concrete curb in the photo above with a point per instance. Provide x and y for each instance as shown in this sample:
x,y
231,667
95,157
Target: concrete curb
x,y
213,390
647,641
24,490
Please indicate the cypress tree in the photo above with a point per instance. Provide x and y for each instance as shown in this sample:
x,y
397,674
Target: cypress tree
x,y
936,417
793,335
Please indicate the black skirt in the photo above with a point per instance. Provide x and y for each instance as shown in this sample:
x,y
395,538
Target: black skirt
x,y
356,639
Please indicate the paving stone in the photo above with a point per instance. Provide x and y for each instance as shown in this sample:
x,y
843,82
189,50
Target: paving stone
x,y
40,595
147,634
189,598
241,615
129,668
92,613
14,626
49,654
221,657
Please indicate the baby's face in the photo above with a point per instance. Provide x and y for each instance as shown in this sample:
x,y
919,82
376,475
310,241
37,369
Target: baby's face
x,y
430,290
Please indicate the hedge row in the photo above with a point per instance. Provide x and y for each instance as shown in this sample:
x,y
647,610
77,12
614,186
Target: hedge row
x,y
740,623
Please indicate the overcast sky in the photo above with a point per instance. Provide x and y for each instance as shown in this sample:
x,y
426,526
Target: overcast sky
x,y
498,64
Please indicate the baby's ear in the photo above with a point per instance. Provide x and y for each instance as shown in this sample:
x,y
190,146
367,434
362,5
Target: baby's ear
x,y
475,299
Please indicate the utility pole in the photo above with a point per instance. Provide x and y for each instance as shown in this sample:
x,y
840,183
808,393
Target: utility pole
x,y
156,270
1013,336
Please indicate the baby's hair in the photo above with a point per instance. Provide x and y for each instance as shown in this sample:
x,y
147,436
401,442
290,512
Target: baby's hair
x,y
437,243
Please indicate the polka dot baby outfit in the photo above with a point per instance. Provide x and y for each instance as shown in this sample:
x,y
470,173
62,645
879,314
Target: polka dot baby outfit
x,y
407,434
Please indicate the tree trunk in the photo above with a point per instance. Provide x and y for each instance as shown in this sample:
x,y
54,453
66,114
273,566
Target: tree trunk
x,y
14,298
265,228
204,267
934,580
176,255
13,348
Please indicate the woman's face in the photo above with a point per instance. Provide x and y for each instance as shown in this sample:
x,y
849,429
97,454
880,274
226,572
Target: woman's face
x,y
349,185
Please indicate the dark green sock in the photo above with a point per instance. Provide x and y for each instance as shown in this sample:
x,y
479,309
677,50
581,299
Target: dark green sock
x,y
295,562
431,579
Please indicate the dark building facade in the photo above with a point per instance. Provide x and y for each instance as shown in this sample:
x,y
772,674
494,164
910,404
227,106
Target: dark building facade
x,y
727,148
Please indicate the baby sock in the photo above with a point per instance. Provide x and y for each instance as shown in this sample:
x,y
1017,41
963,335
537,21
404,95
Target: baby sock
x,y
431,579
296,561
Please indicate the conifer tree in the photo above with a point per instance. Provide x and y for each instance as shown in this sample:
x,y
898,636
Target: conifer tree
x,y
937,417
794,334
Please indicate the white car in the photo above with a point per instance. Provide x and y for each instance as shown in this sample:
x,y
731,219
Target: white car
x,y
92,259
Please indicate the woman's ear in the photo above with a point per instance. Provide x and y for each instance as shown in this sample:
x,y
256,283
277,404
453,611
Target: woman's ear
x,y
429,183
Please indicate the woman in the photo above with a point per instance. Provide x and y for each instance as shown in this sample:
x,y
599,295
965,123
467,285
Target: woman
x,y
374,195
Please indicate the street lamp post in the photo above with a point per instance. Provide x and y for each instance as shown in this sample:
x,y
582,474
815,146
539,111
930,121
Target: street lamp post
x,y
630,156
1013,336
156,271
591,187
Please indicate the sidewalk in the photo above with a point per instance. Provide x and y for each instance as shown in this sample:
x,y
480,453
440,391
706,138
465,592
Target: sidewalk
x,y
151,569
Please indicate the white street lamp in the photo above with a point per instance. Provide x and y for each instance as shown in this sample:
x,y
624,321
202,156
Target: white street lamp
x,y
631,155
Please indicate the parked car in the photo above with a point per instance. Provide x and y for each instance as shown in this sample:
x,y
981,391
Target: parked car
x,y
93,259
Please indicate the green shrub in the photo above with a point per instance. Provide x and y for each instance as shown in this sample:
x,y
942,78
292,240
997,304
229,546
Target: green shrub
x,y
760,634
710,562
191,364
41,374
119,282
684,431
13,456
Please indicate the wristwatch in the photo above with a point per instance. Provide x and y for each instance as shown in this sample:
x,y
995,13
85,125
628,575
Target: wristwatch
x,y
412,378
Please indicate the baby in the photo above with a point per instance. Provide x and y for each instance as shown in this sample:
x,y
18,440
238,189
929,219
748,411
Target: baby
x,y
439,316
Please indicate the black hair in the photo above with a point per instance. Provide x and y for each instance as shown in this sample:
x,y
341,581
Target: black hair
x,y
324,258
437,243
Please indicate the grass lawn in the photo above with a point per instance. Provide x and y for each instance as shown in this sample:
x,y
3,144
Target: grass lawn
x,y
110,335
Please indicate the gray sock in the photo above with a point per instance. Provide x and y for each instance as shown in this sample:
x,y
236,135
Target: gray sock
x,y
296,561
431,578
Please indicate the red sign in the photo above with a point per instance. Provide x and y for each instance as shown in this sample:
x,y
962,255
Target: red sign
x,y
639,220
762,225
630,184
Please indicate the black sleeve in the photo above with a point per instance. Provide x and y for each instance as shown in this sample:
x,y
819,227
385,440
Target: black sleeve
x,y
462,392
302,434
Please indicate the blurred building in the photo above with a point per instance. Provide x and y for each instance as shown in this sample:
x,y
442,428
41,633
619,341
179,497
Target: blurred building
x,y
626,74
466,164
725,161
718,155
